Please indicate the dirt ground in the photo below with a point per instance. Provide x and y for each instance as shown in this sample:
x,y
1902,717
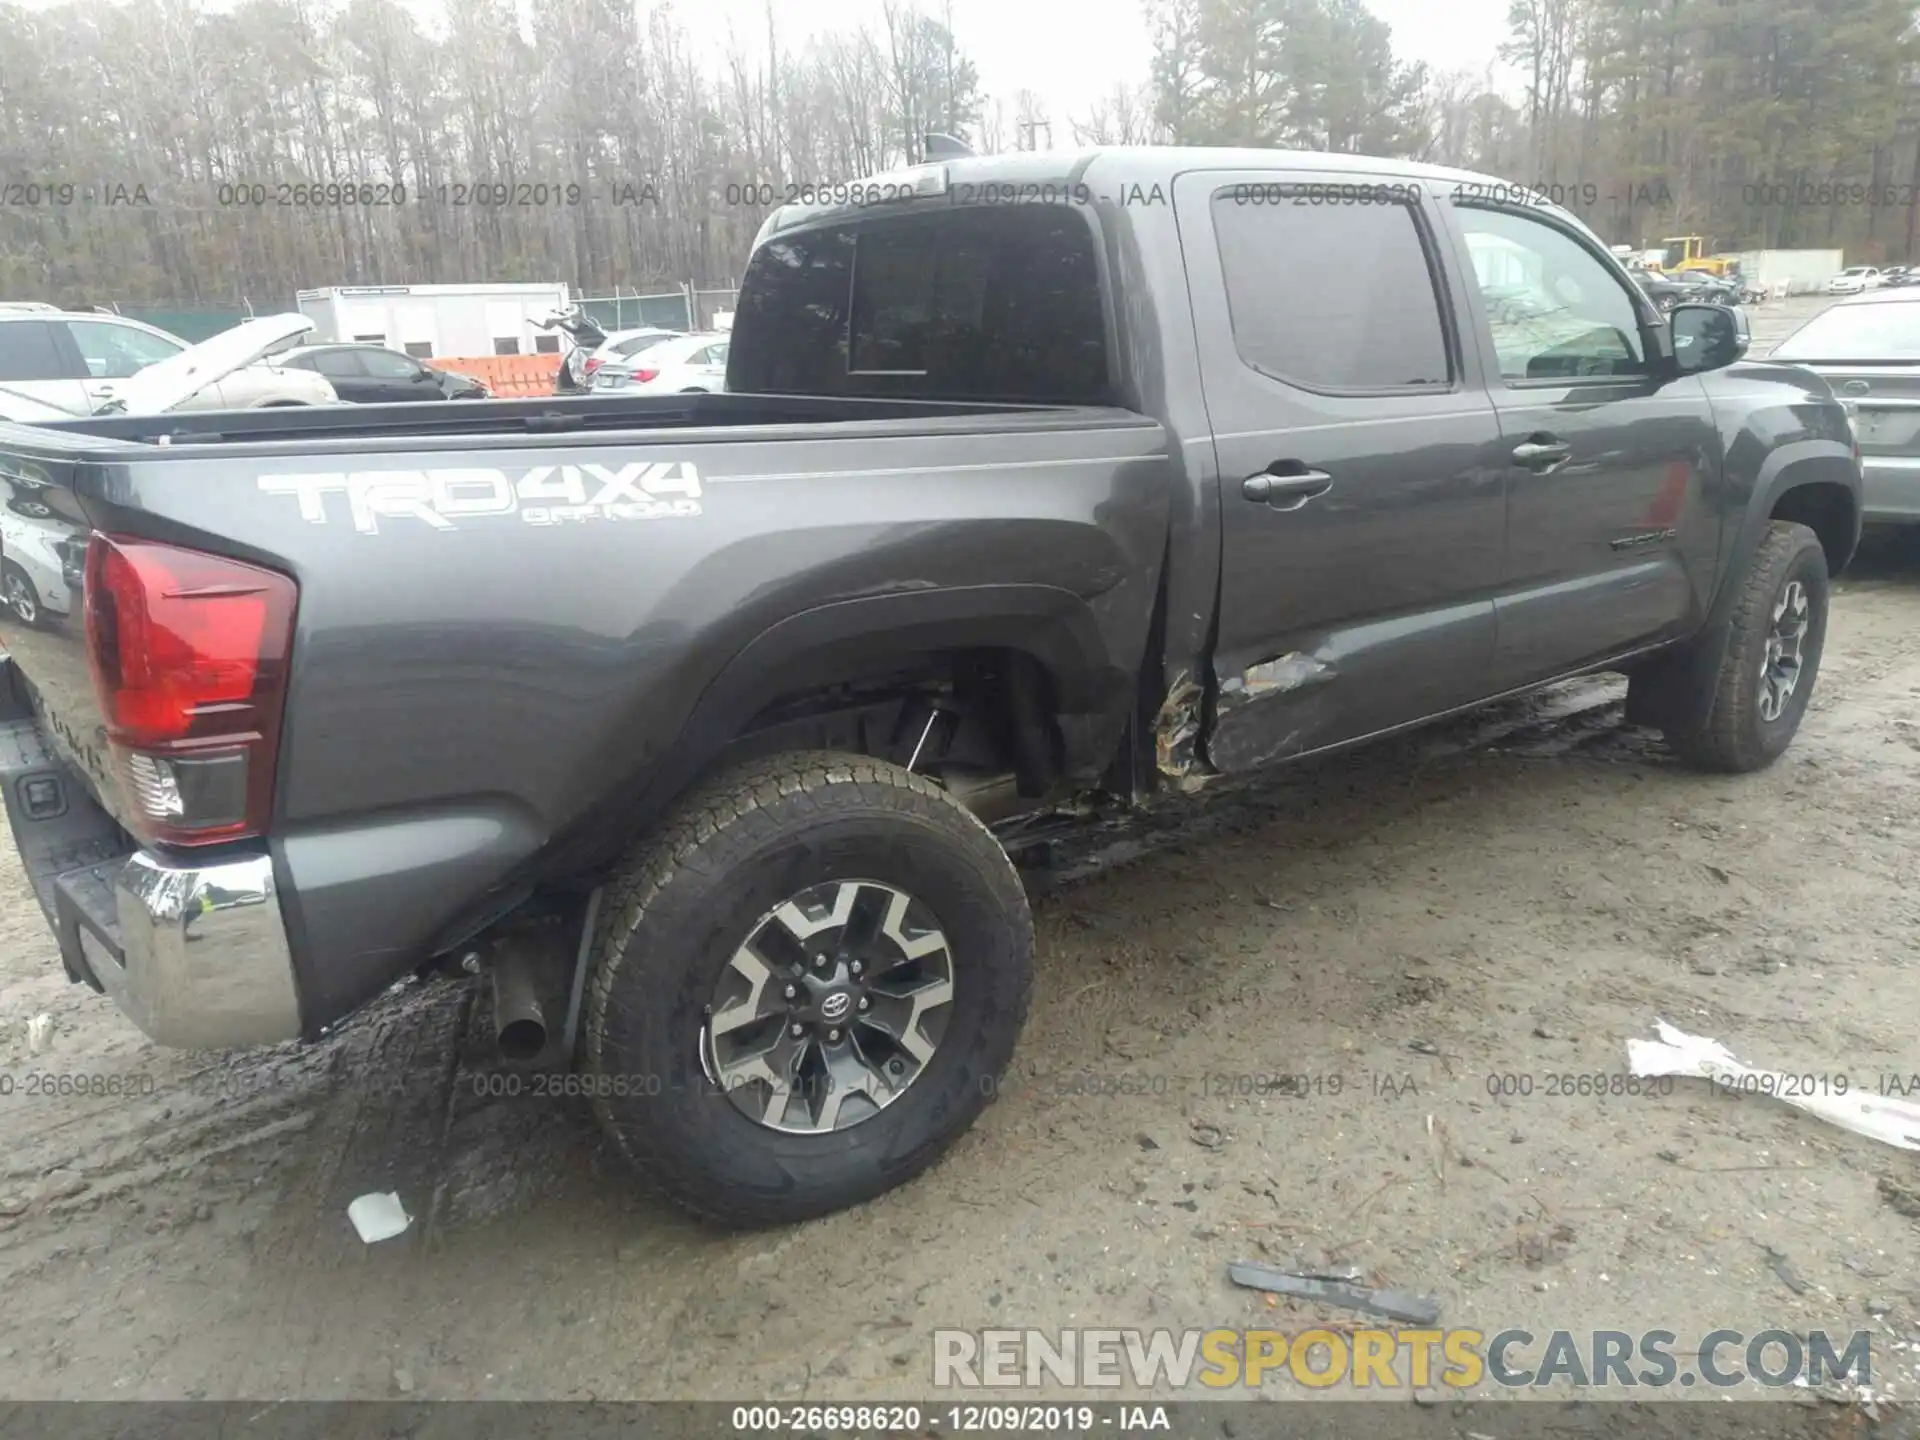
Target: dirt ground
x,y
1412,927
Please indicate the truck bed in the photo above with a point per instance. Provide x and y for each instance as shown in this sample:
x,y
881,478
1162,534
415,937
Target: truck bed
x,y
562,415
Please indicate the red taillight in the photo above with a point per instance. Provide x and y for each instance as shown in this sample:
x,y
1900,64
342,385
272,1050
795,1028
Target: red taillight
x,y
594,362
188,653
646,376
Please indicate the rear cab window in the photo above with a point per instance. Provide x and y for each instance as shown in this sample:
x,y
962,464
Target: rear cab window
x,y
986,303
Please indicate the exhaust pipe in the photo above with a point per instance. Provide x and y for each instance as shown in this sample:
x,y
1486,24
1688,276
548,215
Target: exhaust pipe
x,y
519,1021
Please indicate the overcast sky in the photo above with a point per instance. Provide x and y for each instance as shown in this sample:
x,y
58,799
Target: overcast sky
x,y
1071,52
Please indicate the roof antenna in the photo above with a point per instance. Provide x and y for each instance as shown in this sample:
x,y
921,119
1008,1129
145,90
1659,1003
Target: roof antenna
x,y
946,147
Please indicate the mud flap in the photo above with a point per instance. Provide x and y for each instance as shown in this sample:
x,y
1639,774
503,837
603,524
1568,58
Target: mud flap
x,y
1675,691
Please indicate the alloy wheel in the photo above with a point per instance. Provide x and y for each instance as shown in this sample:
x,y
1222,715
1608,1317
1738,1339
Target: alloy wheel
x,y
1785,650
831,1008
20,598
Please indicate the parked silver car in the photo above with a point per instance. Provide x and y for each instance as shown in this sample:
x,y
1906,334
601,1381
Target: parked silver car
x,y
78,361
1868,348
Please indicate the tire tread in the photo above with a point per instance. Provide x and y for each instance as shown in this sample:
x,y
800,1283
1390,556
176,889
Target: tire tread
x,y
1726,743
736,804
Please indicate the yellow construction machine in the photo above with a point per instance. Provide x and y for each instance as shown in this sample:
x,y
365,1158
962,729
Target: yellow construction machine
x,y
1693,256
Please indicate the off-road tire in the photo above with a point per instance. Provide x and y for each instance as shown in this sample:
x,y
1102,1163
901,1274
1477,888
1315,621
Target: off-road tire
x,y
1736,739
686,898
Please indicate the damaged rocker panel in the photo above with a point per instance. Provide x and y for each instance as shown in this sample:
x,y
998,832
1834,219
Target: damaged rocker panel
x,y
1176,734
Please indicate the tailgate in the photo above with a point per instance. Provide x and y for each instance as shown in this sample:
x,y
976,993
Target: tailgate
x,y
1885,404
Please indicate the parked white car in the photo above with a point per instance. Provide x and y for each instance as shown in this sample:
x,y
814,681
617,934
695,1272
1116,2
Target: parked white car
x,y
181,381
42,553
1854,279
79,363
624,345
40,561
688,363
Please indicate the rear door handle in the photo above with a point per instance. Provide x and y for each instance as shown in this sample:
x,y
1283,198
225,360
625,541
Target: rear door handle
x,y
1286,485
1541,453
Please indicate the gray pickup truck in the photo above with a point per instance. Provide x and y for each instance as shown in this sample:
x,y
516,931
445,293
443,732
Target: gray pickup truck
x,y
690,718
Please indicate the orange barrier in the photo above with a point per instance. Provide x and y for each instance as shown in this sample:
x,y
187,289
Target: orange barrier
x,y
507,376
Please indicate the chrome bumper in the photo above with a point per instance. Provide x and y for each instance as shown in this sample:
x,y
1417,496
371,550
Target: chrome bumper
x,y
204,962
195,953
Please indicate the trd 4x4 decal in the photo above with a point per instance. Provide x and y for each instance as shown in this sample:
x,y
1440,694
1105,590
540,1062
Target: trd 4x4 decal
x,y
544,495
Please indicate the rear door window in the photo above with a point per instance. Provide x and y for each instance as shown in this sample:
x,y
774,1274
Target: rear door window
x,y
29,350
1334,297
385,365
341,364
991,303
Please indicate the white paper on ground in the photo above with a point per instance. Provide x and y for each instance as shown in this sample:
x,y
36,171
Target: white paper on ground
x,y
378,1217
1878,1117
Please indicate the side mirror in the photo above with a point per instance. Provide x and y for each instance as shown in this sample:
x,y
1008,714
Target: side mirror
x,y
1707,337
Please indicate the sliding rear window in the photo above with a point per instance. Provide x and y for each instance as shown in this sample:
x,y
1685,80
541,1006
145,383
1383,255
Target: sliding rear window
x,y
994,303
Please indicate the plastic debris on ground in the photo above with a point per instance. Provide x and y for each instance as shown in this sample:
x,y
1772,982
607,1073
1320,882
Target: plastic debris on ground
x,y
379,1217
1878,1117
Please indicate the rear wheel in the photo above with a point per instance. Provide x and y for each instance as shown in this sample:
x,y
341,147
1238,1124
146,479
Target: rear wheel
x,y
17,589
1779,630
807,988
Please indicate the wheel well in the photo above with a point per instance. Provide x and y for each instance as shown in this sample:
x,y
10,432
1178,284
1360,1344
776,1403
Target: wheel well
x,y
1827,509
969,711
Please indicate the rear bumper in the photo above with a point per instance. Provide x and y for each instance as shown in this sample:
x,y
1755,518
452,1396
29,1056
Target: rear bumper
x,y
194,952
1890,489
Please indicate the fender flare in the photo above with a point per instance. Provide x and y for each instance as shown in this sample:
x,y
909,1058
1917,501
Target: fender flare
x,y
1804,462
845,638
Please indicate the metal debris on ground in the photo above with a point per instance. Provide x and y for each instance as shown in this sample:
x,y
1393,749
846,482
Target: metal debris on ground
x,y
1391,1304
1890,1121
379,1217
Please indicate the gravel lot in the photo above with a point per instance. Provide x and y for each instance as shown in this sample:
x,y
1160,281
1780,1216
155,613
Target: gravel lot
x,y
1511,896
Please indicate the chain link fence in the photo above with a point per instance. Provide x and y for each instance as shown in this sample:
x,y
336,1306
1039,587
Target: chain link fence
x,y
692,307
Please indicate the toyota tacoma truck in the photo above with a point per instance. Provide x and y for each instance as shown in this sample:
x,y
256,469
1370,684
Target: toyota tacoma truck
x,y
690,719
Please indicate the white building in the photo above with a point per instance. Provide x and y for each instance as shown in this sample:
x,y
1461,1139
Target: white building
x,y
1804,271
436,320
